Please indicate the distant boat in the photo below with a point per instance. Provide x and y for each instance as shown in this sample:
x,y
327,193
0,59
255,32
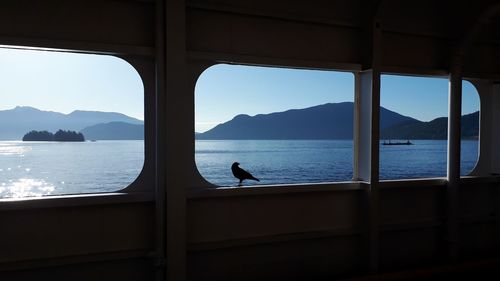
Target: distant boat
x,y
92,140
397,142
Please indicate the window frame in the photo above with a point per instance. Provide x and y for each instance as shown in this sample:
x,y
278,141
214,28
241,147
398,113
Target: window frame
x,y
437,179
202,188
202,183
143,187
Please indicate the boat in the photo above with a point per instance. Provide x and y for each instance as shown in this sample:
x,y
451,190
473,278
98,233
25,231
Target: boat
x,y
397,143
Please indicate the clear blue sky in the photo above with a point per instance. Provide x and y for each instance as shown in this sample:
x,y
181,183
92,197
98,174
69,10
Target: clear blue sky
x,y
64,82
224,91
423,98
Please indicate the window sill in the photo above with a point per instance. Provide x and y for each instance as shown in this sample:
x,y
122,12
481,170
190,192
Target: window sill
x,y
196,193
74,200
401,183
209,192
479,179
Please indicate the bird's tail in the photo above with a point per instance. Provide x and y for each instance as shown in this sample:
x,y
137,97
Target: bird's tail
x,y
255,179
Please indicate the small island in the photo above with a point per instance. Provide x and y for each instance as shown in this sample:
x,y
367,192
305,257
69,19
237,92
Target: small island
x,y
60,135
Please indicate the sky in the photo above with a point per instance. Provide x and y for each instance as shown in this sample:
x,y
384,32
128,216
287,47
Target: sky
x,y
224,91
423,98
64,82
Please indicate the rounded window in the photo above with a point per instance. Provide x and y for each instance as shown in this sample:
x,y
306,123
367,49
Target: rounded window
x,y
281,125
69,123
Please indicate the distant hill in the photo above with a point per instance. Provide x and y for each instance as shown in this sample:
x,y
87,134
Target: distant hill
x,y
114,131
327,121
14,123
435,129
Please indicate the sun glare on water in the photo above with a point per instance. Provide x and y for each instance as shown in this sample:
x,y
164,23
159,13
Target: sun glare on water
x,y
13,149
25,188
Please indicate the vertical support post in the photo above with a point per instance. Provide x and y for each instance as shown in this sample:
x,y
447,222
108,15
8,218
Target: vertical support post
x,y
374,175
496,194
494,107
375,148
160,178
367,140
368,156
494,152
367,111
375,143
453,173
178,152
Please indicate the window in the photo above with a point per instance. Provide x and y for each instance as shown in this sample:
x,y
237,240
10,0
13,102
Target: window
x,y
282,125
470,128
414,145
413,127
57,96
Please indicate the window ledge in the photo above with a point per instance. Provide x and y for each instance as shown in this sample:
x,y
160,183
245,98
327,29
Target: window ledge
x,y
412,182
479,179
196,193
74,200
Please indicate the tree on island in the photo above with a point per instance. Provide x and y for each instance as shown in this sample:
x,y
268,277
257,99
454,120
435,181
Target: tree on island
x,y
68,136
60,135
38,136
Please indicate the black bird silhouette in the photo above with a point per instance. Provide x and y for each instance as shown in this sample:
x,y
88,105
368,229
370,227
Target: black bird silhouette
x,y
241,174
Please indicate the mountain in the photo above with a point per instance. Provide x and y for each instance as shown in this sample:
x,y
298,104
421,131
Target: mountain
x,y
435,129
95,117
326,121
114,131
16,122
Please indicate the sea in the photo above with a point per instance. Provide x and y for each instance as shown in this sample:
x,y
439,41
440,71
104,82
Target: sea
x,y
30,169
316,161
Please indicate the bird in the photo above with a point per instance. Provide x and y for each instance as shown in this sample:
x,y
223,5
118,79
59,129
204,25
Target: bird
x,y
241,174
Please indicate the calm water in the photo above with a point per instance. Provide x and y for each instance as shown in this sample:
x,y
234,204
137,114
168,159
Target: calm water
x,y
312,161
48,168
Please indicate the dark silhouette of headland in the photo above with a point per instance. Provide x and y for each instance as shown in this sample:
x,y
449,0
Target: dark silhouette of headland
x,y
241,174
333,121
60,135
321,122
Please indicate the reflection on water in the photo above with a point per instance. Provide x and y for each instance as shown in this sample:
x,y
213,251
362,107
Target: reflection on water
x,y
13,148
33,169
25,188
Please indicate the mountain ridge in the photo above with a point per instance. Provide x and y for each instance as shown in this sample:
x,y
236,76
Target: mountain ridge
x,y
332,121
14,123
114,131
436,129
307,123
325,121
